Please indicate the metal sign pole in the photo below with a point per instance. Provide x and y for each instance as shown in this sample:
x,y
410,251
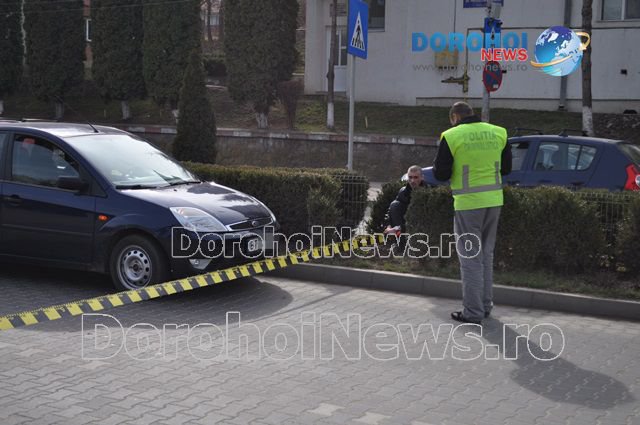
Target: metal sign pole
x,y
486,99
352,107
357,31
494,8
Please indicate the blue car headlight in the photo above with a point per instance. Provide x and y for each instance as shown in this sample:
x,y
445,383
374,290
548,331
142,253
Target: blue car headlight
x,y
196,220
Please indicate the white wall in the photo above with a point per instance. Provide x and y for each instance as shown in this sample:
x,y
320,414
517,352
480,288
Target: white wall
x,y
390,75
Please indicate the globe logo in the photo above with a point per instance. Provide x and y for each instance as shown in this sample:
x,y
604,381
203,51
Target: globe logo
x,y
559,51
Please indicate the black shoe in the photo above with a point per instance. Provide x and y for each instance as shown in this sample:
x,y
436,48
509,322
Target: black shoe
x,y
487,314
457,315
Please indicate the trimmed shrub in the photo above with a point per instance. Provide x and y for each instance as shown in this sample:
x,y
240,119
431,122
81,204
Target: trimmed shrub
x,y
353,193
298,200
321,205
431,212
546,228
628,249
515,233
352,199
389,192
565,232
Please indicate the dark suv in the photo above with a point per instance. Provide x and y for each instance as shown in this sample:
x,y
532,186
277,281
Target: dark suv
x,y
100,199
570,161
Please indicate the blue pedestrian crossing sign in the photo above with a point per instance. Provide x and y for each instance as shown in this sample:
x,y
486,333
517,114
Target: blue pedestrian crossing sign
x,y
357,31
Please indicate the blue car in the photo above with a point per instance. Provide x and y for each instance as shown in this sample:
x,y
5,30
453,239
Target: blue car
x,y
100,199
570,161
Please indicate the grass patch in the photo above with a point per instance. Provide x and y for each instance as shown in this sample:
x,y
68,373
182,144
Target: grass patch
x,y
84,103
422,120
372,118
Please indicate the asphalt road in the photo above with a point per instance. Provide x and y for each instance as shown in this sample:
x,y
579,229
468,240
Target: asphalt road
x,y
305,353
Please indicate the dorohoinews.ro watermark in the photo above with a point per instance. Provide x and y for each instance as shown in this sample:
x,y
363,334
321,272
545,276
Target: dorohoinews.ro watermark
x,y
471,67
251,246
325,336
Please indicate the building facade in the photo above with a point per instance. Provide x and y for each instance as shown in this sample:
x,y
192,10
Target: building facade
x,y
397,71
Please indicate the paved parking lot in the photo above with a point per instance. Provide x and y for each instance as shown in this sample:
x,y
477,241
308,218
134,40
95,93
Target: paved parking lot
x,y
174,360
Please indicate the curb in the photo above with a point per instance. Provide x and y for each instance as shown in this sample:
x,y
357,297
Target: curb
x,y
452,288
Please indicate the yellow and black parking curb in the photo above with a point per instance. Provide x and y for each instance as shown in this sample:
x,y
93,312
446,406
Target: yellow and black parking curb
x,y
92,305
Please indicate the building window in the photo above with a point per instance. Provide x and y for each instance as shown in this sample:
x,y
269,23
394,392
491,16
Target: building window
x,y
341,54
617,10
376,14
87,30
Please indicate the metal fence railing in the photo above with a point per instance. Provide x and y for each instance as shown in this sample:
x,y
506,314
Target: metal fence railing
x,y
353,200
612,208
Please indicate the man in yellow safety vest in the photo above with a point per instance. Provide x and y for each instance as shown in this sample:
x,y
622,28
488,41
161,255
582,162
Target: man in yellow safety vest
x,y
474,155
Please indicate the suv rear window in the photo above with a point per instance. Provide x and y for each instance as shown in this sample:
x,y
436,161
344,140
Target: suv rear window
x,y
631,151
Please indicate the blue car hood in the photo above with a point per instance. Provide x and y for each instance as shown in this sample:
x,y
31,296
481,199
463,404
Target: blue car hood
x,y
227,205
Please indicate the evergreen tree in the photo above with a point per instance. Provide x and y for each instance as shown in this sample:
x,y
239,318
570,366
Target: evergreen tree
x,y
117,50
259,43
11,48
55,48
196,136
172,30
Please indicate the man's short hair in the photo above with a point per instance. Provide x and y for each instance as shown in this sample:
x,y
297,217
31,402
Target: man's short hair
x,y
462,109
415,169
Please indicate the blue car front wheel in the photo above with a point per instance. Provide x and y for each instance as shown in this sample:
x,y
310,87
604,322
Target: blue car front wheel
x,y
137,262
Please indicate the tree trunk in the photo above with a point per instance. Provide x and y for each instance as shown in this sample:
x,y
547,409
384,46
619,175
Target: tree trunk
x,y
126,110
587,111
262,120
1,107
331,125
332,62
587,121
59,106
208,23
24,34
221,22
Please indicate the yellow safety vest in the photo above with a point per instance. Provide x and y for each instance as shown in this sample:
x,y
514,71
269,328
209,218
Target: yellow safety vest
x,y
477,152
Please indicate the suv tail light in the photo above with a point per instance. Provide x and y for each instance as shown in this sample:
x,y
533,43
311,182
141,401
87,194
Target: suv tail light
x,y
633,178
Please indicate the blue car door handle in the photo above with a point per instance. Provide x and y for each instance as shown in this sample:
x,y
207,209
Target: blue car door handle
x,y
13,200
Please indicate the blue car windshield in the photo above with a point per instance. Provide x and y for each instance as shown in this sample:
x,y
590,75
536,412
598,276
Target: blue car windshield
x,y
129,162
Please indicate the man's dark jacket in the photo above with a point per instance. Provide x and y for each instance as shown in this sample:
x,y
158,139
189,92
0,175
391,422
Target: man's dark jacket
x,y
404,195
398,208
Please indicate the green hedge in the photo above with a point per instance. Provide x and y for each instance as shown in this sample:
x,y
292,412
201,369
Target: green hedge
x,y
554,228
298,200
380,206
547,227
352,203
628,249
352,197
437,222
